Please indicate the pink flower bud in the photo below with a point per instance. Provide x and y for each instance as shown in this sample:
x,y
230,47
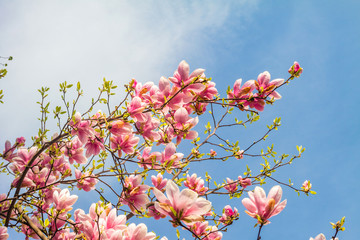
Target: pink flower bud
x,y
295,69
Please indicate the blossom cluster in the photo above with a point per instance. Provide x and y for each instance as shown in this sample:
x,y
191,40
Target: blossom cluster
x,y
155,120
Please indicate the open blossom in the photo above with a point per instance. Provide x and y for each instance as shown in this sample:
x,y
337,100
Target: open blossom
x,y
321,237
100,218
3,233
124,143
183,124
94,145
82,129
196,184
181,77
74,151
150,160
120,127
213,234
146,128
22,158
86,181
261,207
152,212
138,232
171,159
265,87
134,194
241,92
135,109
63,200
181,206
158,181
231,185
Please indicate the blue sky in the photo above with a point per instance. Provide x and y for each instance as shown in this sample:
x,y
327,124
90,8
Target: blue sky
x,y
54,41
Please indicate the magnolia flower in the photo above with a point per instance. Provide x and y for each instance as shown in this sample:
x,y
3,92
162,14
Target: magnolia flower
x,y
229,215
196,184
181,206
244,182
63,200
320,237
3,233
231,185
86,181
295,69
265,87
158,181
261,207
182,78
306,186
82,129
134,194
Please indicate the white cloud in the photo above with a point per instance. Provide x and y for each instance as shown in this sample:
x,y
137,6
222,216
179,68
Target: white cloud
x,y
56,41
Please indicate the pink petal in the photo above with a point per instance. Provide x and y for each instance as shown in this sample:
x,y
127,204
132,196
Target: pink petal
x,y
183,70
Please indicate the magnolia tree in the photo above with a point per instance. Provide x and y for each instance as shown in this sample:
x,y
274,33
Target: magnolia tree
x,y
132,157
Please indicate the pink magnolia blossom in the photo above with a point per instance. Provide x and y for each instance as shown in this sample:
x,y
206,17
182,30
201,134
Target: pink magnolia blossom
x,y
199,228
295,69
181,77
3,233
136,108
124,143
63,201
261,207
171,159
22,158
241,92
102,222
64,234
36,178
152,212
28,231
120,127
244,182
213,234
146,128
181,206
138,232
229,215
94,145
74,151
306,186
321,237
134,194
8,153
158,181
150,160
4,204
82,129
196,184
255,101
265,87
57,164
231,185
141,90
183,124
86,181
